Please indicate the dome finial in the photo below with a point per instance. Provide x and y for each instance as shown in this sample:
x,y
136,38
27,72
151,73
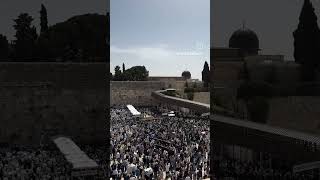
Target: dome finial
x,y
243,24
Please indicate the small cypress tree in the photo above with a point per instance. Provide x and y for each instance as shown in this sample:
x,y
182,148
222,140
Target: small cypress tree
x,y
123,68
26,36
117,74
307,41
206,74
43,19
4,47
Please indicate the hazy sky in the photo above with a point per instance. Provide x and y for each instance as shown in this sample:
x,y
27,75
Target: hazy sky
x,y
166,36
58,11
272,20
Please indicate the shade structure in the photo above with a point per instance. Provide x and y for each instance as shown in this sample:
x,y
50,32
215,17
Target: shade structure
x,y
133,110
73,154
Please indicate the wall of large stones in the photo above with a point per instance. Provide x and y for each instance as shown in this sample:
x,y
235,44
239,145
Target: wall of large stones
x,y
300,113
61,75
284,73
203,97
137,93
40,100
226,73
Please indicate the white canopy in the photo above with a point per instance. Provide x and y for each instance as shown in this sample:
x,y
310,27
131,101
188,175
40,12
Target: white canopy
x,y
73,154
205,114
133,110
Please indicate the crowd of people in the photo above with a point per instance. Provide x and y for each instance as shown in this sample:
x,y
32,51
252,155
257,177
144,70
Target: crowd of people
x,y
161,147
234,169
156,146
27,163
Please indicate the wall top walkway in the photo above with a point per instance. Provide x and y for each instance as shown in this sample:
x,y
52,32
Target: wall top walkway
x,y
202,107
268,129
292,134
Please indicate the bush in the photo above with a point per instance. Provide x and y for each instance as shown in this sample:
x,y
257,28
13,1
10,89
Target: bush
x,y
253,89
258,109
190,95
170,93
188,90
217,101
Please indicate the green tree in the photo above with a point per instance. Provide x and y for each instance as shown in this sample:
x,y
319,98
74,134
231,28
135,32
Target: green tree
x,y
123,67
117,74
245,74
69,54
195,85
206,74
43,19
88,33
111,76
43,40
136,73
190,95
258,109
26,36
79,56
307,42
271,75
248,90
4,47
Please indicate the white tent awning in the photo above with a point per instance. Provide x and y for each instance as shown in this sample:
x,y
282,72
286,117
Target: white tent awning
x,y
73,154
133,110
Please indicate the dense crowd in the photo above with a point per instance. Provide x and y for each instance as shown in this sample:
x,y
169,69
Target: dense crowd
x,y
158,148
233,169
27,163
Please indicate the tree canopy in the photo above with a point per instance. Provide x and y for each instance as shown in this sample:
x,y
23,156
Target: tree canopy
x,y
26,36
84,34
135,73
4,47
43,19
206,74
81,38
307,41
117,74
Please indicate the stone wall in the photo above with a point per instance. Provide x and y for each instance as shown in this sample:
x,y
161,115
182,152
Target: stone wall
x,y
299,113
165,78
283,73
137,93
203,97
61,75
170,82
226,73
39,100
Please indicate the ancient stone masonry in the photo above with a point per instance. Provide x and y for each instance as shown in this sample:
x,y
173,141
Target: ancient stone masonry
x,y
134,92
46,99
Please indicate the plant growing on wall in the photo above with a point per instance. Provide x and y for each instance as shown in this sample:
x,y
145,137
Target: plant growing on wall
x,y
190,95
258,109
